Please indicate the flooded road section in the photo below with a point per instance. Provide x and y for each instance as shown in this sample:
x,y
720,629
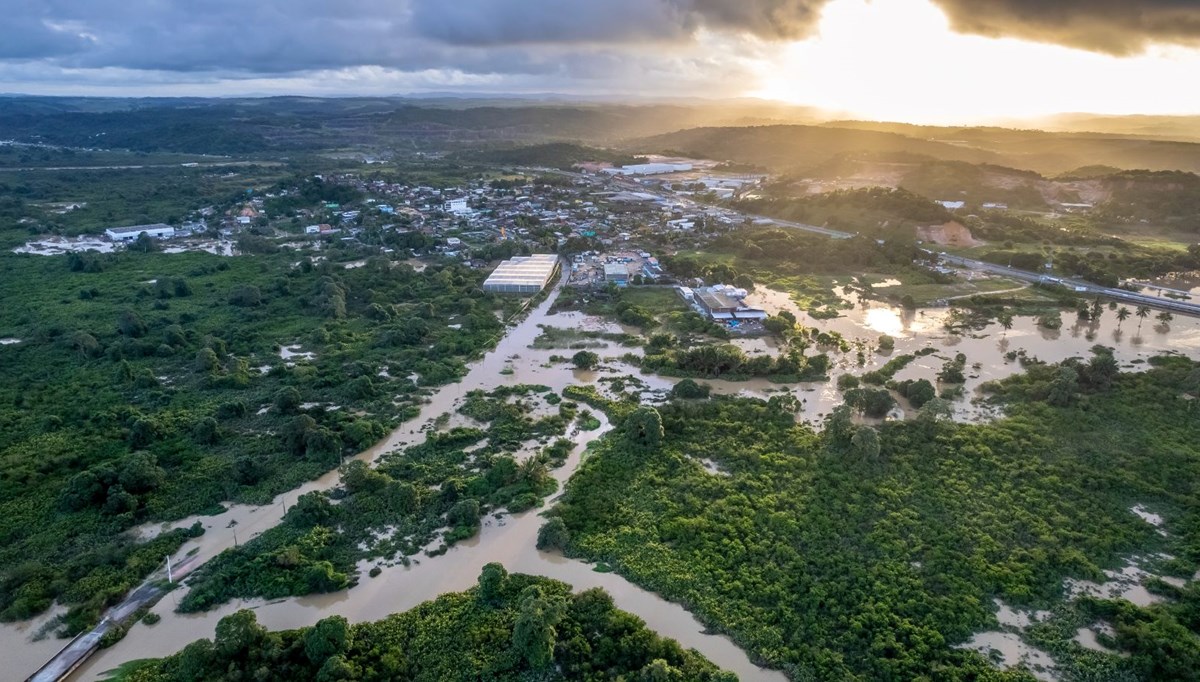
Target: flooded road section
x,y
511,540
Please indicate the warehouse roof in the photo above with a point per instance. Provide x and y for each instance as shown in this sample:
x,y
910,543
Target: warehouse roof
x,y
138,229
716,301
533,270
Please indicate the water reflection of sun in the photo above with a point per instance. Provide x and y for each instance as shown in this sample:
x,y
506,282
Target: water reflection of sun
x,y
884,321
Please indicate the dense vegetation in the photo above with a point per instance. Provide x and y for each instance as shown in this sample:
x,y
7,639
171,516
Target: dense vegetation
x,y
561,155
727,361
151,387
865,554
865,210
438,488
509,627
106,198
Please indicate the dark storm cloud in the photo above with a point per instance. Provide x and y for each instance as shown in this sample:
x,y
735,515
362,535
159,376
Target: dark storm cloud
x,y
279,36
495,22
567,38
1120,27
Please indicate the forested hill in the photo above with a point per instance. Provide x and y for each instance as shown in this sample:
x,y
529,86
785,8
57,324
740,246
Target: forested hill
x,y
784,147
275,124
791,147
508,628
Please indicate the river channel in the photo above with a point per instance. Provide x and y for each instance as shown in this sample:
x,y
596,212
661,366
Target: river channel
x,y
510,540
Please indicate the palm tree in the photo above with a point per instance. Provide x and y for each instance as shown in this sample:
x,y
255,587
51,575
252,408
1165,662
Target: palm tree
x,y
1164,318
1122,315
1097,309
1142,312
1006,321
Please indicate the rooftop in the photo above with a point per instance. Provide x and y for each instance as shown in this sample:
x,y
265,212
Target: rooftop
x,y
138,229
533,270
716,300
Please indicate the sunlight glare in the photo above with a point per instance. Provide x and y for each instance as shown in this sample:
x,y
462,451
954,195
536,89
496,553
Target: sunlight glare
x,y
899,60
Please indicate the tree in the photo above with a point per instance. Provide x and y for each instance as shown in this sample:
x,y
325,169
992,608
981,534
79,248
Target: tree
x,y
1122,315
585,359
865,444
1164,318
206,361
329,637
644,428
491,583
553,534
1142,312
534,635
295,433
130,324
237,634
141,473
1064,387
688,389
246,296
143,244
287,400
1006,321
86,344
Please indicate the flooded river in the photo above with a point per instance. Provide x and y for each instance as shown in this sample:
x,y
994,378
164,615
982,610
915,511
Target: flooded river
x,y
510,540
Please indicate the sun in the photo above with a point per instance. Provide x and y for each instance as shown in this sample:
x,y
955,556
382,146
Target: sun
x,y
899,60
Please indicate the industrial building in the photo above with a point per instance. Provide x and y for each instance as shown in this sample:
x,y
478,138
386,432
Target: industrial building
x,y
128,234
722,303
522,275
617,273
649,169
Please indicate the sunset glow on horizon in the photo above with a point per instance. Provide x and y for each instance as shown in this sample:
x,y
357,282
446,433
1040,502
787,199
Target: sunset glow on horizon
x,y
899,60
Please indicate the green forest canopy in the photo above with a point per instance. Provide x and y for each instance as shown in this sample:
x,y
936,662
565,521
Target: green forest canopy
x,y
508,627
837,556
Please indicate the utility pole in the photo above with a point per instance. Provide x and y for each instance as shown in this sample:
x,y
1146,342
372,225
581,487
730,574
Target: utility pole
x,y
170,579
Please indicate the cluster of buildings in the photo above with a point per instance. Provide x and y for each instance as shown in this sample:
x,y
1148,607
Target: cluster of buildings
x,y
723,304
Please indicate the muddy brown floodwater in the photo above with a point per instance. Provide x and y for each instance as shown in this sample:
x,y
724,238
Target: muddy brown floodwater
x,y
511,540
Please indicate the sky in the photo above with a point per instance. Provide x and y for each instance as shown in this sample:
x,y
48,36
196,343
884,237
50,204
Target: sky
x,y
932,61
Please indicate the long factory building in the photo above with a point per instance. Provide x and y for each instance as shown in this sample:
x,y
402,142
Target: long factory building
x,y
523,274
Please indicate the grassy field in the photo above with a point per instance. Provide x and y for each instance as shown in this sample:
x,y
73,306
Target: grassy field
x,y
658,300
924,293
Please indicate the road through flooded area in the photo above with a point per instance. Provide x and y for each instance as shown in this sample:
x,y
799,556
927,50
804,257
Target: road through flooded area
x,y
509,539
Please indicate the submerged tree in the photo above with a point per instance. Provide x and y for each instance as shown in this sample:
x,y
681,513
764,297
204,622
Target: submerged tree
x,y
1142,312
1122,315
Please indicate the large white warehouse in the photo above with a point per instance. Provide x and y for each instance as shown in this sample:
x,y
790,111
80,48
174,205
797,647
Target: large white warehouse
x,y
650,169
126,234
523,274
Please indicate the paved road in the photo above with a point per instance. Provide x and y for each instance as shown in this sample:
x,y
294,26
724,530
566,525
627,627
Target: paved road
x,y
1081,286
80,649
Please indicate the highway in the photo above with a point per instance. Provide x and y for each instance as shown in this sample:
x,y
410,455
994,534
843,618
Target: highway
x,y
1078,285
